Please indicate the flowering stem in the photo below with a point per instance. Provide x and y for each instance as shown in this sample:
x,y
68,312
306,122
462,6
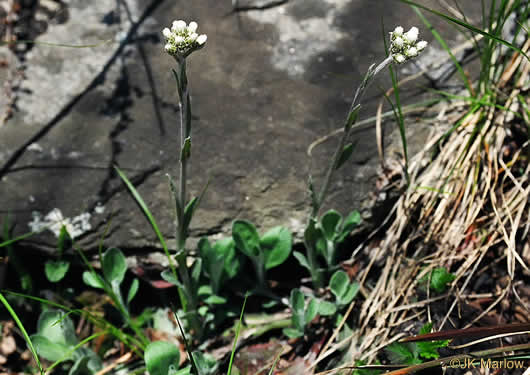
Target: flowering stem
x,y
372,71
185,129
189,293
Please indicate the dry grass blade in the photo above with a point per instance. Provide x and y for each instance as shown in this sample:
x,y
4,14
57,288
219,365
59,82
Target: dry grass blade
x,y
466,205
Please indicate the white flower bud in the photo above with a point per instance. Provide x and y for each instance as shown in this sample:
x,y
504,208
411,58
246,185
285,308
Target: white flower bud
x,y
193,36
179,39
421,45
166,32
398,42
202,39
412,35
412,52
178,26
399,58
168,47
192,27
398,31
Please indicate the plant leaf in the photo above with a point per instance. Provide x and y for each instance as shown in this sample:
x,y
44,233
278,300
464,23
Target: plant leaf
x,y
276,245
311,311
159,356
352,118
213,261
55,270
168,276
114,266
49,350
232,259
206,364
351,221
93,280
57,327
402,354
189,210
292,333
185,153
63,241
326,308
344,155
440,278
246,238
330,224
133,290
196,272
297,307
301,259
343,289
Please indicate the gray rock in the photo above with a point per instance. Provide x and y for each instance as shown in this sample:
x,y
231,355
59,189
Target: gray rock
x,y
267,84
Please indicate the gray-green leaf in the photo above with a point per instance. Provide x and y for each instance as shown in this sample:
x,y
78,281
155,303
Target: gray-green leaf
x,y
93,280
159,356
330,223
114,265
276,245
246,237
344,155
55,270
133,290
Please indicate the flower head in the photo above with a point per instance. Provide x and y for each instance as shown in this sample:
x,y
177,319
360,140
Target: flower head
x,y
405,46
182,39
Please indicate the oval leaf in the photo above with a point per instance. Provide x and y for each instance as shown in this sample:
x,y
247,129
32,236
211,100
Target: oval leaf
x,y
246,237
55,270
57,327
330,223
93,280
276,245
49,350
159,356
326,308
114,265
339,283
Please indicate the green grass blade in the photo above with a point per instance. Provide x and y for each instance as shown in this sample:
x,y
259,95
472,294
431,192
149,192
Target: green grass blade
x,y
232,355
16,239
149,216
271,372
23,330
81,343
468,26
186,343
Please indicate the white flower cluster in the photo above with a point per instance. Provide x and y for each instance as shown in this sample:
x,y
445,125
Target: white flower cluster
x,y
183,39
54,221
405,46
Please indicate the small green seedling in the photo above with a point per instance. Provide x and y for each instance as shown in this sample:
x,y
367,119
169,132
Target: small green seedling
x,y
342,288
221,261
301,315
440,279
333,231
267,252
413,353
55,270
323,237
162,358
114,268
56,341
